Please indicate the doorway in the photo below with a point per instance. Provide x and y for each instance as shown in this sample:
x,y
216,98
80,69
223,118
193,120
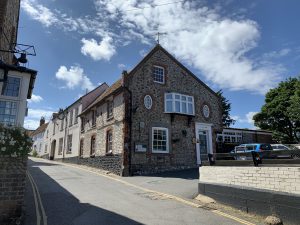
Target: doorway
x,y
52,152
204,141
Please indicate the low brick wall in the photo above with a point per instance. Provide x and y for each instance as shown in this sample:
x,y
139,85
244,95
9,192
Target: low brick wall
x,y
12,188
112,163
274,178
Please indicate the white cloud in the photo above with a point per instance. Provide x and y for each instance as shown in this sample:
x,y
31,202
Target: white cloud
x,y
35,99
39,12
214,44
31,124
74,77
203,37
248,118
121,66
32,121
102,51
38,113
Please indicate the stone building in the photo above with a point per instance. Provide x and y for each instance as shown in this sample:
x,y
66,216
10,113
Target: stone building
x,y
157,117
9,19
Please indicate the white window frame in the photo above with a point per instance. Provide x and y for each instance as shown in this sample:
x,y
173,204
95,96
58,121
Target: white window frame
x,y
164,74
181,102
167,140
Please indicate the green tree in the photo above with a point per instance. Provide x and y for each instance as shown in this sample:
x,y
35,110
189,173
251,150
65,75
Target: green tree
x,y
226,107
281,111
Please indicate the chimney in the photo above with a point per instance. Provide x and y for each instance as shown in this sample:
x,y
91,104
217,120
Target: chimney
x,y
42,121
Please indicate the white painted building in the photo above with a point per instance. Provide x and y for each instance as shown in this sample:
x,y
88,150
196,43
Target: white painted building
x,y
63,132
38,137
62,135
15,88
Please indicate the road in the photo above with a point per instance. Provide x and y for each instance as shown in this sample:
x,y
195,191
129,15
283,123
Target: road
x,y
59,194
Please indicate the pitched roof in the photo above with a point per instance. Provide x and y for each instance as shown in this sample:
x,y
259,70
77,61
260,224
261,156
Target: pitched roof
x,y
159,47
112,89
40,129
118,83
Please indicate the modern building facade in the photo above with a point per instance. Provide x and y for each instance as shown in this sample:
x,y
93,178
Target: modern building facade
x,y
231,137
157,117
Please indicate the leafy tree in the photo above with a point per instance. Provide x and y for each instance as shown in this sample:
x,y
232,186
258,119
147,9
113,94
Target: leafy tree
x,y
281,111
226,107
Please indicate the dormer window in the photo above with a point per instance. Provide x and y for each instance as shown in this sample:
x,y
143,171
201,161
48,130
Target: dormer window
x,y
159,74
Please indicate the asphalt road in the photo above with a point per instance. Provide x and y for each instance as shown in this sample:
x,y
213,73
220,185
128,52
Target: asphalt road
x,y
62,195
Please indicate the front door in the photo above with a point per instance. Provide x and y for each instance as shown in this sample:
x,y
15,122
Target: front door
x,y
204,141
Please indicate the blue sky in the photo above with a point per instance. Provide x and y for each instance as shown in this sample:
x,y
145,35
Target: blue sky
x,y
242,47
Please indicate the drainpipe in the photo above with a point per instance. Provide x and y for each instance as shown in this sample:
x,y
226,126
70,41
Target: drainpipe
x,y
66,125
128,120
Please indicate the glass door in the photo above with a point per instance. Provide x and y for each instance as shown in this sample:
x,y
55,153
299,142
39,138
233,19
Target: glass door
x,y
203,143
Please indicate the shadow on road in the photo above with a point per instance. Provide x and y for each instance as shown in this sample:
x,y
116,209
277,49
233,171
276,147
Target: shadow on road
x,y
61,207
189,174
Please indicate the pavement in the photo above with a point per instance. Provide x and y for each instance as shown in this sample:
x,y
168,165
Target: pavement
x,y
61,194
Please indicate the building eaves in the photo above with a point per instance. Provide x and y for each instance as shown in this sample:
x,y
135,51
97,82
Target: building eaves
x,y
109,91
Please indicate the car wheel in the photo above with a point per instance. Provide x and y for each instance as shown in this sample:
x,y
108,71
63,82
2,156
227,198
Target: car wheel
x,y
295,156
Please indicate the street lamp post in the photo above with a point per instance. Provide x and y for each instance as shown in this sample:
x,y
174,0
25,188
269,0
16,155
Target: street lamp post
x,y
62,114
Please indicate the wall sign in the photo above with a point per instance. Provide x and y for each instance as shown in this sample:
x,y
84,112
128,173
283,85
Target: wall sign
x,y
148,102
205,111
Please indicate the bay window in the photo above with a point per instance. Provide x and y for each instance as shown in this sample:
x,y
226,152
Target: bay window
x,y
178,103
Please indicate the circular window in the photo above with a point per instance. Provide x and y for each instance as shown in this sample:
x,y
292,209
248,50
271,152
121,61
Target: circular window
x,y
205,111
148,102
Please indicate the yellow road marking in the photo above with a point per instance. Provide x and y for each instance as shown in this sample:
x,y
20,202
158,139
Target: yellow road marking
x,y
37,212
40,200
179,199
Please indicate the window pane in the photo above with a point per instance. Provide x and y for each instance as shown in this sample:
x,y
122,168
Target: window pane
x,y
158,74
184,109
169,106
177,106
11,87
190,108
169,96
159,142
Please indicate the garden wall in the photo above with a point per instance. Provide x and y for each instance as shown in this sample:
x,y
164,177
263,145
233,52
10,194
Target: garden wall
x,y
12,188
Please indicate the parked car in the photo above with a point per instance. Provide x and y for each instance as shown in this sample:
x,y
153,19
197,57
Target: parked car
x,y
282,148
264,150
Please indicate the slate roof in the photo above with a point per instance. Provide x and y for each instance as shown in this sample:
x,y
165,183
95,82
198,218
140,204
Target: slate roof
x,y
113,88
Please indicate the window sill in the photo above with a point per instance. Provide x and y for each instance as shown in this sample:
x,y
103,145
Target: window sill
x,y
160,152
69,152
179,114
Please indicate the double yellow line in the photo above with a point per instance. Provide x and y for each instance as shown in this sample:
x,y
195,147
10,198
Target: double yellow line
x,y
37,202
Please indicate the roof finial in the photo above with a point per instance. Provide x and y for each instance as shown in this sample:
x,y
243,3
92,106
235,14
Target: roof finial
x,y
158,35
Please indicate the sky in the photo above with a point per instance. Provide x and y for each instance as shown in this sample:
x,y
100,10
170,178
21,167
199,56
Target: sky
x,y
244,48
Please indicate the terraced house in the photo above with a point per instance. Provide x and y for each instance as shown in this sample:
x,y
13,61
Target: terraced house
x,y
157,117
